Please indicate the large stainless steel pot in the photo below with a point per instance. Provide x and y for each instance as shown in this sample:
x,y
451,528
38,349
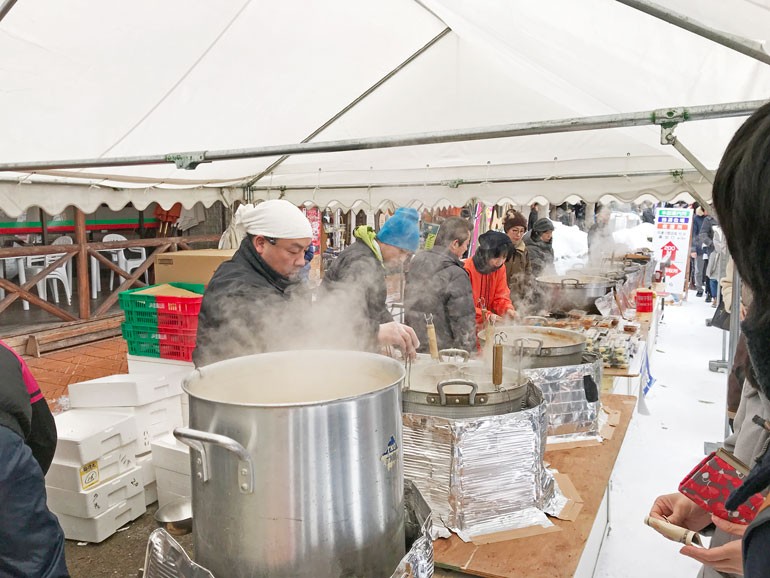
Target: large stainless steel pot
x,y
533,347
565,292
462,390
297,465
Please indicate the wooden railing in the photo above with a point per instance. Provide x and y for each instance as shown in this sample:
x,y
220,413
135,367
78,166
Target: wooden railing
x,y
83,251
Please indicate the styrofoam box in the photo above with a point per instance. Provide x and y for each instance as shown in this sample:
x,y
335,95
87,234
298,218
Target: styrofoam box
x,y
148,470
150,493
85,436
98,499
75,477
172,369
171,454
166,497
122,390
175,482
152,419
105,524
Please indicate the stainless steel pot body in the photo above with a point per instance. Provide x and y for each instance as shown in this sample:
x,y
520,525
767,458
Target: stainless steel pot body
x,y
563,293
290,488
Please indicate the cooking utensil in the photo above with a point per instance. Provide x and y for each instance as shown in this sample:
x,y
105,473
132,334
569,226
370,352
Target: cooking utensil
x,y
176,517
543,346
574,291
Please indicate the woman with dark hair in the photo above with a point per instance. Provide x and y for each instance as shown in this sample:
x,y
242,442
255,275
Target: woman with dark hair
x,y
741,195
490,288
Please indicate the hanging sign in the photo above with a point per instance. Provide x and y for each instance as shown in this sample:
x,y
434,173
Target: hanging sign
x,y
672,245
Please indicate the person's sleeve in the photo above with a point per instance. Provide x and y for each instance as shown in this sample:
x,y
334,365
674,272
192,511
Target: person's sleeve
x,y
501,302
14,396
42,438
727,286
461,312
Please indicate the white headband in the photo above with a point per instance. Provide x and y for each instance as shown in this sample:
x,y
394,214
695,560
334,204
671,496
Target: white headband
x,y
277,218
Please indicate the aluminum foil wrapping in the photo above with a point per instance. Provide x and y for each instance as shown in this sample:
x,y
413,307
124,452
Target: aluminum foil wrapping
x,y
165,558
484,474
418,562
571,416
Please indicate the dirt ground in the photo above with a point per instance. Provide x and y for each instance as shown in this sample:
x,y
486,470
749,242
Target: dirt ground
x,y
122,554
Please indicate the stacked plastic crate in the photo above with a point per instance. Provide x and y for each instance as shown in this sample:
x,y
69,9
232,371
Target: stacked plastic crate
x,y
162,320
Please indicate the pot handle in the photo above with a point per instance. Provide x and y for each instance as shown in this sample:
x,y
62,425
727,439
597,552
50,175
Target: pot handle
x,y
196,440
543,320
472,384
522,342
453,352
576,283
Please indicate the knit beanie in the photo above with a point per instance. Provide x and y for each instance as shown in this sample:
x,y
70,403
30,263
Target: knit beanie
x,y
402,230
542,225
515,220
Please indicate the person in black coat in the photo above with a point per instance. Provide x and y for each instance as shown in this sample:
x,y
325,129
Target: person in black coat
x,y
741,191
31,539
539,242
254,303
355,282
438,285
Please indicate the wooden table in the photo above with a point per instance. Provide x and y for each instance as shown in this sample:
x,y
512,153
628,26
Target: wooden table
x,y
563,553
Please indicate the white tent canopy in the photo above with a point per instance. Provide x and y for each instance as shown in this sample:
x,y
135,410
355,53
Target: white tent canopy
x,y
116,79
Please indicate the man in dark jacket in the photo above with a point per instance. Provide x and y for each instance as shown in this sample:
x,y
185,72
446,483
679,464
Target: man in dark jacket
x,y
438,285
254,302
31,540
518,269
539,247
355,282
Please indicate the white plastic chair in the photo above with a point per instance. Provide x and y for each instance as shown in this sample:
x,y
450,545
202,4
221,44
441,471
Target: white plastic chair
x,y
63,274
125,258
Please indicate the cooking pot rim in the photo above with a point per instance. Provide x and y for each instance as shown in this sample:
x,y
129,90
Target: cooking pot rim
x,y
198,373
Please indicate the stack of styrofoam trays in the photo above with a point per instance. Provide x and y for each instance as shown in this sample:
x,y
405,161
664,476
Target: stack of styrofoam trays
x,y
171,465
154,401
94,485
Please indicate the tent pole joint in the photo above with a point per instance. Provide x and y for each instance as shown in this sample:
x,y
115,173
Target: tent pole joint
x,y
187,161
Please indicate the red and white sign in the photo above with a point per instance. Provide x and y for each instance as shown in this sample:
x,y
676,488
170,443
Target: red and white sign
x,y
672,245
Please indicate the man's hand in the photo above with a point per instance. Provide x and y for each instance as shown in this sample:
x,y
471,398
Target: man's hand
x,y
510,314
402,336
726,558
680,511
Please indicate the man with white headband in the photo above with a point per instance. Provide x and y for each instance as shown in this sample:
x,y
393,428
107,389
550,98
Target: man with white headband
x,y
252,297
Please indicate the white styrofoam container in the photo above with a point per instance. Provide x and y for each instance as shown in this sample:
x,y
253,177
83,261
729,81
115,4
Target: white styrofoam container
x,y
172,369
98,499
85,436
105,524
122,390
171,454
148,470
150,493
166,497
152,419
173,482
76,478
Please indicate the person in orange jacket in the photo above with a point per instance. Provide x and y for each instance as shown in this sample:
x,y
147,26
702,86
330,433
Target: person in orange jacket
x,y
487,272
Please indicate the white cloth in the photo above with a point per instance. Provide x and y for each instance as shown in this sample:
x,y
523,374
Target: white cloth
x,y
276,218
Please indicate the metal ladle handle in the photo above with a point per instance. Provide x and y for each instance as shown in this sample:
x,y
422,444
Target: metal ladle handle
x,y
196,440
471,396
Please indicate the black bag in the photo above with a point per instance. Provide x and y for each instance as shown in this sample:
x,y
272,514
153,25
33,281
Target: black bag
x,y
721,319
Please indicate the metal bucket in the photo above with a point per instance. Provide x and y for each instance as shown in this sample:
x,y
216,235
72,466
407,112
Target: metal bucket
x,y
297,465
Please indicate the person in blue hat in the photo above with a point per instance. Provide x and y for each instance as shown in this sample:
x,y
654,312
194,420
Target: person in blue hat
x,y
357,277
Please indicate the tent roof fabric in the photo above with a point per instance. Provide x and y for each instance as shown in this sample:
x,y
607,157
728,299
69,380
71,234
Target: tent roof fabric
x,y
120,79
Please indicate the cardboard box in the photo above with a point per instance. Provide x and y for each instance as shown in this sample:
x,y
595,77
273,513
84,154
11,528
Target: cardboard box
x,y
190,266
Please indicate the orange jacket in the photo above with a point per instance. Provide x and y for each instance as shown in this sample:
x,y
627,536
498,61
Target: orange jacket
x,y
492,288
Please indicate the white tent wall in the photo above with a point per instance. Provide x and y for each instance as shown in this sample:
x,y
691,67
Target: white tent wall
x,y
139,78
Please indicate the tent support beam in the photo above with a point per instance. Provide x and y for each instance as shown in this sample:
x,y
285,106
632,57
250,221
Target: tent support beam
x,y
667,137
358,99
192,159
6,8
732,41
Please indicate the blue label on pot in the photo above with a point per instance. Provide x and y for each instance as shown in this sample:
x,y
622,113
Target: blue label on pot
x,y
390,457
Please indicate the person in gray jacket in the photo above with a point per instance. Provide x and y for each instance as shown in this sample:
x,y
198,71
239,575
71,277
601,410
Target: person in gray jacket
x,y
539,247
438,285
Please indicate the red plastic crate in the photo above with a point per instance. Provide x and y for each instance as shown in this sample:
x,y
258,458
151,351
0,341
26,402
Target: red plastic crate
x,y
178,321
174,351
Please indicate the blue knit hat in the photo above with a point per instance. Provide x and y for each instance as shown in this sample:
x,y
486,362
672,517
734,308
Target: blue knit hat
x,y
402,230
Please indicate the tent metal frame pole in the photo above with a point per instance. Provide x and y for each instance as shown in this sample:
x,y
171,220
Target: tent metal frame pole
x,y
739,44
5,8
190,160
352,104
667,137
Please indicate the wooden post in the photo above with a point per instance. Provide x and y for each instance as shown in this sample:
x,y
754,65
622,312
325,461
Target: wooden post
x,y
84,303
44,226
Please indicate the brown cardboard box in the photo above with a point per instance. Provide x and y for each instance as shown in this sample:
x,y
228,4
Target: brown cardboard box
x,y
190,266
